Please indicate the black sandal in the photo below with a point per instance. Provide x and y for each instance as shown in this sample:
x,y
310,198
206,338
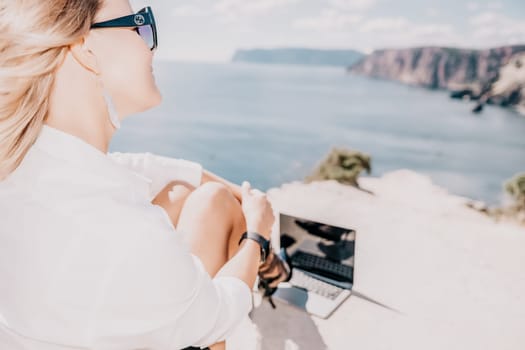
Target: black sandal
x,y
269,284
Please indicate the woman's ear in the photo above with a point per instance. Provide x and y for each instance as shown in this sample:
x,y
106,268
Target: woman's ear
x,y
84,56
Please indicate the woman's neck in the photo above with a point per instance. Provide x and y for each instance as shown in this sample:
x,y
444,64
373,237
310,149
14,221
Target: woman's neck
x,y
77,107
98,137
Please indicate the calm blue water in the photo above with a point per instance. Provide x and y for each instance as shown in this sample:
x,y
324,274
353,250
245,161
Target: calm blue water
x,y
272,124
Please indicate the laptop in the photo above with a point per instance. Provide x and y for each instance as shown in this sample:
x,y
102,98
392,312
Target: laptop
x,y
323,265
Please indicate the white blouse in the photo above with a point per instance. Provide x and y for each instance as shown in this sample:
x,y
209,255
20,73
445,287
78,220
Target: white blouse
x,y
87,261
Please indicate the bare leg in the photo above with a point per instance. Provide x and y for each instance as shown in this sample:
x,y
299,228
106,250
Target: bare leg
x,y
212,221
210,216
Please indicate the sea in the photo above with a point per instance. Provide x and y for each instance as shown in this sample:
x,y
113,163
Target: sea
x,y
272,124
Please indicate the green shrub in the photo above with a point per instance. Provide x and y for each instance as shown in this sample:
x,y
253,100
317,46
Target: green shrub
x,y
343,165
516,188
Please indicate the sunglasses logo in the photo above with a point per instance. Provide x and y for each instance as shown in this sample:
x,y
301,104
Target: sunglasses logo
x,y
139,20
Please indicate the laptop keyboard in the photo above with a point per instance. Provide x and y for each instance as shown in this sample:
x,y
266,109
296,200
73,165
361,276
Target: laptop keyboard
x,y
303,280
317,264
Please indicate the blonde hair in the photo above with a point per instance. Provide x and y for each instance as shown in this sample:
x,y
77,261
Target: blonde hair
x,y
34,40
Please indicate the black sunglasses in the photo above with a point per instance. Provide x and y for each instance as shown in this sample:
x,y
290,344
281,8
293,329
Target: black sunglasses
x,y
143,21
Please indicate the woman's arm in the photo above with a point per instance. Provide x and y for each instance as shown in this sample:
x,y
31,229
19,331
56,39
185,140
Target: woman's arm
x,y
164,170
160,169
209,176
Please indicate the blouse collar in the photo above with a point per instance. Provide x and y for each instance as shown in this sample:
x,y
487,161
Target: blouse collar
x,y
84,155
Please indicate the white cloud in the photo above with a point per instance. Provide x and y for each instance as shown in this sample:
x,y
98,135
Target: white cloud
x,y
339,15
485,29
400,32
494,28
230,10
189,11
432,12
436,30
473,6
379,31
494,6
348,5
328,20
331,20
384,24
233,9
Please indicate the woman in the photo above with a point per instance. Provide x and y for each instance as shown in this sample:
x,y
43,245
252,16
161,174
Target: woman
x,y
110,251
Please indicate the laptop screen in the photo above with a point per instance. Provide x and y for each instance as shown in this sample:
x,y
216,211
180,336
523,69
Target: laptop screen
x,y
308,239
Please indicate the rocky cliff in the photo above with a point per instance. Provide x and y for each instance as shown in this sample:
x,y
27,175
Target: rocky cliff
x,y
471,73
509,87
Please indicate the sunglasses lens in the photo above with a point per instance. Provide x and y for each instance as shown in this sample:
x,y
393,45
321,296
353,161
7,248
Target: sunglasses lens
x,y
146,32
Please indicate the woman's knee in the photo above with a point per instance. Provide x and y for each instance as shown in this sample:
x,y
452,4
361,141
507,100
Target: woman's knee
x,y
222,201
212,194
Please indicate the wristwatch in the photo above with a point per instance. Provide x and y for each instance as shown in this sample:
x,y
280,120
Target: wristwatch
x,y
264,243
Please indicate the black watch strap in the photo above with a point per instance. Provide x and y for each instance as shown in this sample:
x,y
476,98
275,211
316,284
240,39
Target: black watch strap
x,y
263,242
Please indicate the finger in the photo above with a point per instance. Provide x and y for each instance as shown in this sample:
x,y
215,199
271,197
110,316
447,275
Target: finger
x,y
245,188
257,192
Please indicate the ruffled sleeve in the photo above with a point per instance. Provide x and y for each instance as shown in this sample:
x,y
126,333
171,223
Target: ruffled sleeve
x,y
160,169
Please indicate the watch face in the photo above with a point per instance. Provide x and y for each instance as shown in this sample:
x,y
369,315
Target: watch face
x,y
267,251
263,255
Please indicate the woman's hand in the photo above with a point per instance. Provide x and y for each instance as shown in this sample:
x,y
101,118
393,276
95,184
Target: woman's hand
x,y
257,210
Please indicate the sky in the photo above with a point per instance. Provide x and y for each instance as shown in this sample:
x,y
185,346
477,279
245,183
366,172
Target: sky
x,y
211,30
